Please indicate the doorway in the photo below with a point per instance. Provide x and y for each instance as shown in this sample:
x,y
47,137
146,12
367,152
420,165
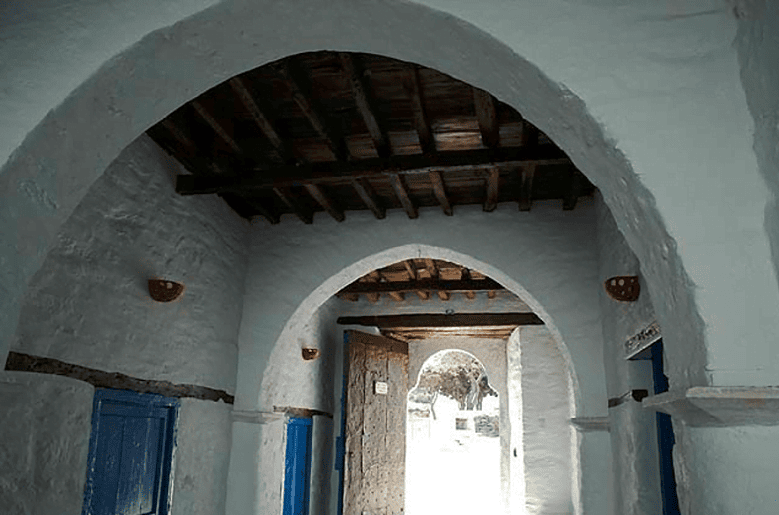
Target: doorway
x,y
452,438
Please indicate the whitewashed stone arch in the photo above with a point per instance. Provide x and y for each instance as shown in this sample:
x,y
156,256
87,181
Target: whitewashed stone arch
x,y
142,65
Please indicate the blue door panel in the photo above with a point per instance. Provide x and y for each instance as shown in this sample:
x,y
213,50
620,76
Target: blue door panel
x,y
130,454
297,467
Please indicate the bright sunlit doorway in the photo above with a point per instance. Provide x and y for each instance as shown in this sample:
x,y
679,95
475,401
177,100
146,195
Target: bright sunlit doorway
x,y
453,438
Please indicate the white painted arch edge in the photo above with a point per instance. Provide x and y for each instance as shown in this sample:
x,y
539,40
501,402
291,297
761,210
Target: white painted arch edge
x,y
306,310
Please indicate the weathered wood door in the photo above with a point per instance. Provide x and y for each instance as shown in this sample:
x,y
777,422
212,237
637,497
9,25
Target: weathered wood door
x,y
375,460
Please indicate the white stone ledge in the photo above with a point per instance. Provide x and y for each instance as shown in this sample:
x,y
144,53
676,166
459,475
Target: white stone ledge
x,y
590,424
720,406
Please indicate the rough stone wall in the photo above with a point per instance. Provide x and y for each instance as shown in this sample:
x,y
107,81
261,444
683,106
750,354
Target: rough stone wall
x,y
45,422
89,303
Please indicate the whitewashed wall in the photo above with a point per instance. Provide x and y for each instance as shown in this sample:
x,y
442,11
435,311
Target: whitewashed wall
x,y
89,305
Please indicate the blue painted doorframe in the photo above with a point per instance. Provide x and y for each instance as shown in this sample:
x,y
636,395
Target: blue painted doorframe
x,y
297,466
130,454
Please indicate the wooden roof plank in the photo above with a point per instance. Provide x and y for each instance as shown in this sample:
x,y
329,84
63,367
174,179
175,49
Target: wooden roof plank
x,y
487,116
365,103
366,193
402,193
263,123
216,126
288,198
440,192
323,200
421,123
526,187
299,86
491,201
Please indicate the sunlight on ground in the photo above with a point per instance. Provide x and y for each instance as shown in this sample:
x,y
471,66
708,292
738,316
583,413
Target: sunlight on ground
x,y
449,470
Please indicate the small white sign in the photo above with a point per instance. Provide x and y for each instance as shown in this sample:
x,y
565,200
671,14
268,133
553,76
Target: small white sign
x,y
380,388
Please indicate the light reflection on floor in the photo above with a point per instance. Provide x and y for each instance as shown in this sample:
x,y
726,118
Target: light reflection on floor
x,y
450,471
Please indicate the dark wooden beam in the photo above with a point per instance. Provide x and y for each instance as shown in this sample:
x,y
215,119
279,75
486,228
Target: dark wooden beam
x,y
300,89
216,126
575,183
464,160
364,190
411,269
487,116
439,320
426,140
262,121
529,134
405,200
526,187
431,267
440,192
423,284
365,103
325,202
372,278
271,216
291,202
28,363
491,201
191,152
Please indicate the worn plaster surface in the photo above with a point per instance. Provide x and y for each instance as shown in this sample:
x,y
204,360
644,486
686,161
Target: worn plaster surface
x,y
89,303
45,423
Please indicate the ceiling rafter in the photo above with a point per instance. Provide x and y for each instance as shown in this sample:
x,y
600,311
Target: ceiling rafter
x,y
263,123
421,122
400,190
440,192
488,118
365,103
290,200
527,173
216,126
324,201
366,193
491,200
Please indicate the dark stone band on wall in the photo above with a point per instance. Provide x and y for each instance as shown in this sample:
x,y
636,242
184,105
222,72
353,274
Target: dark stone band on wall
x,y
26,363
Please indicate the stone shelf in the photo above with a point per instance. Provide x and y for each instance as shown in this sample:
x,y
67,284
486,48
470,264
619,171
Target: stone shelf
x,y
720,406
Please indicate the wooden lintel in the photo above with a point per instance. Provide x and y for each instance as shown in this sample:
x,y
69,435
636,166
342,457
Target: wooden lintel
x,y
405,200
289,200
300,89
262,121
574,190
421,122
364,190
364,100
491,201
216,126
440,192
487,116
526,187
424,284
316,192
443,320
323,172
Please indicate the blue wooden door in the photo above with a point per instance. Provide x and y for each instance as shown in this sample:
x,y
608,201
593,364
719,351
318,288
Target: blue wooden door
x,y
130,454
297,467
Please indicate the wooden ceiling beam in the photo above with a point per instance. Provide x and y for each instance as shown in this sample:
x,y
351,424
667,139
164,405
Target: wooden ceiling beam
x,y
411,269
440,192
421,123
316,192
216,126
487,116
299,86
366,193
464,160
192,150
443,320
526,187
289,199
491,201
402,193
266,127
529,134
365,103
432,269
575,183
424,284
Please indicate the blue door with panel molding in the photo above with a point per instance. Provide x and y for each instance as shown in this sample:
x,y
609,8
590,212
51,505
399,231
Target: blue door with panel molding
x,y
297,466
130,454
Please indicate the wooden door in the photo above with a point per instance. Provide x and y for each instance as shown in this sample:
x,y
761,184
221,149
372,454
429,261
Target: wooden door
x,y
130,454
375,459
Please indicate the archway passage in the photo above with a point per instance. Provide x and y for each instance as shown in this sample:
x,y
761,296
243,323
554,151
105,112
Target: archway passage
x,y
452,438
